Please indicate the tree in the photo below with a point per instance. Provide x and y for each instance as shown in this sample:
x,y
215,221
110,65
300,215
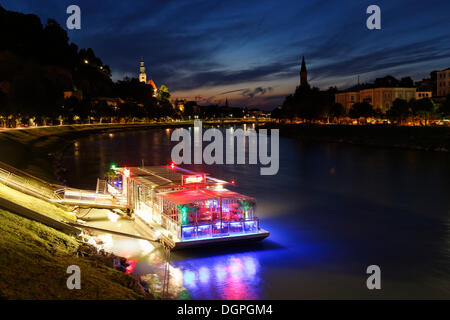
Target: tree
x,y
277,113
399,111
163,93
337,110
361,110
444,108
424,108
406,82
189,108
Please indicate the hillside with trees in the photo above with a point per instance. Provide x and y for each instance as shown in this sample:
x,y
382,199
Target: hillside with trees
x,y
46,79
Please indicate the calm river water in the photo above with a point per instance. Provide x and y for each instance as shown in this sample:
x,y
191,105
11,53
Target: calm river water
x,y
332,210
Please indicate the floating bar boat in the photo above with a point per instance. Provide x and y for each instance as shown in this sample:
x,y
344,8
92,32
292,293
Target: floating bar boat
x,y
185,208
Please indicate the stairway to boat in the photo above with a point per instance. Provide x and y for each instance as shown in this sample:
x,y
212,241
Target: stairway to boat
x,y
31,185
27,183
90,199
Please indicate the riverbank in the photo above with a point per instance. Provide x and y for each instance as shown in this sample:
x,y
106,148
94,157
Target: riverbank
x,y
417,138
34,256
37,245
37,150
34,260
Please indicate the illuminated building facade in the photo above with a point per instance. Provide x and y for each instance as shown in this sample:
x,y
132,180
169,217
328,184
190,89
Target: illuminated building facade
x,y
443,82
347,99
143,78
379,98
423,94
142,74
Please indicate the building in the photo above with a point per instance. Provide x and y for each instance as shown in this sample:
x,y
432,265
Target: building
x,y
78,94
142,74
428,84
143,78
421,94
379,98
347,99
443,82
303,73
111,102
382,98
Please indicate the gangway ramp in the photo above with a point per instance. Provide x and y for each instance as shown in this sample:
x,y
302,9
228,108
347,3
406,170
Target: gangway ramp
x,y
91,199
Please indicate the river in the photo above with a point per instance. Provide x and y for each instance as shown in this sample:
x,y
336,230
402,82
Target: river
x,y
332,210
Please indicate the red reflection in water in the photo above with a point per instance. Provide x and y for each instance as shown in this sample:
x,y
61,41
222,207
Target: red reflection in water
x,y
237,289
131,265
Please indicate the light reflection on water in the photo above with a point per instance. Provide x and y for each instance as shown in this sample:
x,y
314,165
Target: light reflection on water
x,y
230,277
331,210
234,276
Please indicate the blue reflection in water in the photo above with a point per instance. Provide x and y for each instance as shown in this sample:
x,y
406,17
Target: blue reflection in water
x,y
204,274
232,277
189,279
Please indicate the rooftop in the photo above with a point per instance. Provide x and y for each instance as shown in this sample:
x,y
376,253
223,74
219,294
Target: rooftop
x,y
164,176
195,195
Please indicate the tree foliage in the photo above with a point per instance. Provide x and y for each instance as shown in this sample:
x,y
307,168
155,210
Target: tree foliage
x,y
399,111
361,110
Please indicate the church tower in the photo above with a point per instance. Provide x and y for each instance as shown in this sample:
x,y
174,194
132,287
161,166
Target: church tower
x,y
303,73
142,74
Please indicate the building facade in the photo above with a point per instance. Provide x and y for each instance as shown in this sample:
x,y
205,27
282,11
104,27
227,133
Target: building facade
x,y
379,98
347,99
443,82
423,94
142,74
143,78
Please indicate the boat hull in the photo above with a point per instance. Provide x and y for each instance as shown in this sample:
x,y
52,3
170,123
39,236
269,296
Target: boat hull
x,y
262,234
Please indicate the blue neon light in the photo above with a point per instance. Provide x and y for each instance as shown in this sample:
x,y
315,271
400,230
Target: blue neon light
x,y
219,230
237,234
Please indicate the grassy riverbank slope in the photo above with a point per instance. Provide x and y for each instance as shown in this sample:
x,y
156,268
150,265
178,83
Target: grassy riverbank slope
x,y
34,260
419,138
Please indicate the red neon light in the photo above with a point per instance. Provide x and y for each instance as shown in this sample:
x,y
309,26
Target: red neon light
x,y
172,165
194,178
232,182
131,265
126,173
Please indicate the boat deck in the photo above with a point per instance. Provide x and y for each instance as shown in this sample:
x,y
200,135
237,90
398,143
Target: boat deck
x,y
262,234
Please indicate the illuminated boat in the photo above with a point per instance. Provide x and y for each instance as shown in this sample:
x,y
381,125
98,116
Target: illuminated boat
x,y
186,208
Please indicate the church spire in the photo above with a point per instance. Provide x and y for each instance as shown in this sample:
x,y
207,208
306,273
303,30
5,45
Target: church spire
x,y
142,74
303,73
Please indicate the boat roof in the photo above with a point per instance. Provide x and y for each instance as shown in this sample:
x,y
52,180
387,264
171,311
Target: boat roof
x,y
156,175
196,195
164,176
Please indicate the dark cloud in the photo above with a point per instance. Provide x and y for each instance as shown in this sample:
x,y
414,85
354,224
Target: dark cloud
x,y
272,71
259,91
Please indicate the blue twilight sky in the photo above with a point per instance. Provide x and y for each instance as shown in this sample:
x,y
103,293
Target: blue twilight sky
x,y
250,51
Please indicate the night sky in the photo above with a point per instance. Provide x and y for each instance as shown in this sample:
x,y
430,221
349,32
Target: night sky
x,y
250,51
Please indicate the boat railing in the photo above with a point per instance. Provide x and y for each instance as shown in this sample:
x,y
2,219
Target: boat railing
x,y
220,229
